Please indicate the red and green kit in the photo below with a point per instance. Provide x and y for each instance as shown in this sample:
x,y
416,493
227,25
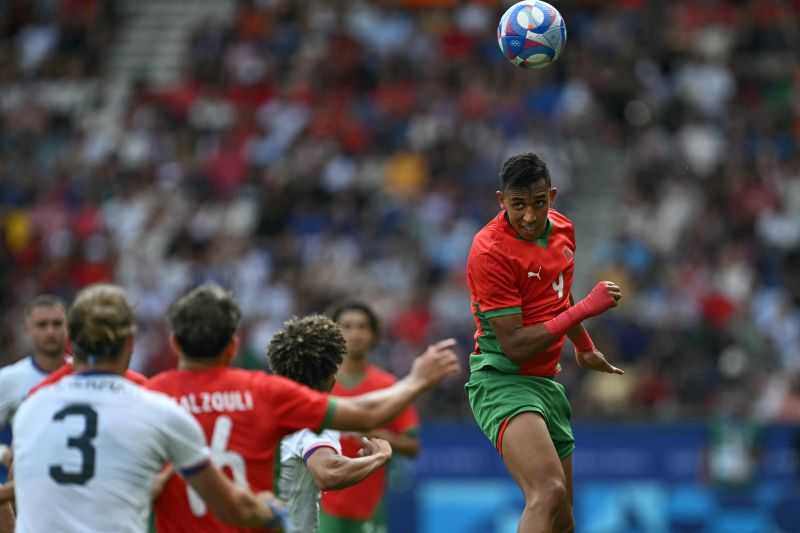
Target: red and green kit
x,y
508,275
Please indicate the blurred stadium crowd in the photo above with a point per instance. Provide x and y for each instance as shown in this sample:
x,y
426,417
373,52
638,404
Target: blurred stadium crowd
x,y
321,150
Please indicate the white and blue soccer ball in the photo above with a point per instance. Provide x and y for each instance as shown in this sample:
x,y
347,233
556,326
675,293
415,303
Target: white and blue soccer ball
x,y
531,34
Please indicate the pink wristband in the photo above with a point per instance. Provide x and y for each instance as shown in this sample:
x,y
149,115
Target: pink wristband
x,y
597,301
584,342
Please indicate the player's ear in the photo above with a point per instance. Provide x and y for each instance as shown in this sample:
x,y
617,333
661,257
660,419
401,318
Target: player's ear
x,y
173,344
553,194
499,196
128,351
231,349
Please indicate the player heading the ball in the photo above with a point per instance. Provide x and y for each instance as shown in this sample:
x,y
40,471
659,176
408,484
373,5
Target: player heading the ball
x,y
519,271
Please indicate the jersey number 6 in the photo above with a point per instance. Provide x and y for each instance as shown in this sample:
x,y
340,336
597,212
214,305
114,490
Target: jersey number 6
x,y
221,457
82,442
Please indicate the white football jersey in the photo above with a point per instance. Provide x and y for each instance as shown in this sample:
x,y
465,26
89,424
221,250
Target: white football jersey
x,y
87,450
296,484
15,382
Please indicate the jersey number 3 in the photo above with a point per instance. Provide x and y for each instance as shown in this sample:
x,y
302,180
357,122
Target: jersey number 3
x,y
82,443
220,456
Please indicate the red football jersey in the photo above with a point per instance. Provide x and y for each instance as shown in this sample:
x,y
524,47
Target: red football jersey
x,y
360,501
508,275
244,415
67,369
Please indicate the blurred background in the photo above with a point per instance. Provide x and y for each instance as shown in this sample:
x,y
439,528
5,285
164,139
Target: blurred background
x,y
304,152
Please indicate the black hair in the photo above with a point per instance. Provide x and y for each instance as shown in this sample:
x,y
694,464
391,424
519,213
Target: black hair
x,y
354,305
43,300
308,350
523,170
204,321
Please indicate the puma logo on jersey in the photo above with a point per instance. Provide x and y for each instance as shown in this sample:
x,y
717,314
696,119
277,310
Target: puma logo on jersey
x,y
537,274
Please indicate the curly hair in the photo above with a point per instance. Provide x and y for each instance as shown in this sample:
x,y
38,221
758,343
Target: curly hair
x,y
100,321
308,350
204,321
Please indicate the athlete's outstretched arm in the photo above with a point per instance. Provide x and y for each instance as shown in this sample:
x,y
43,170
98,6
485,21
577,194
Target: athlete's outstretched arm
x,y
403,443
332,471
232,504
520,343
372,410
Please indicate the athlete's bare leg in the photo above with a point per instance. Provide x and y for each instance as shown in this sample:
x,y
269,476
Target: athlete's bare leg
x,y
566,520
533,462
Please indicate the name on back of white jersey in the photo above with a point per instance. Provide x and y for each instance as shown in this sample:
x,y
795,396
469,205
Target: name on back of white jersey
x,y
217,402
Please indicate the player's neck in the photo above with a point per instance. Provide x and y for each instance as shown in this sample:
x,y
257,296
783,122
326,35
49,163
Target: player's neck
x,y
185,363
353,367
48,363
113,367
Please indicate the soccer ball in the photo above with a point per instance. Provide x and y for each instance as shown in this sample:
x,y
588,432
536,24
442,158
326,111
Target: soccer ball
x,y
531,34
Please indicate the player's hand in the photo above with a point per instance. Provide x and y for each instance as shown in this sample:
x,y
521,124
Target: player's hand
x,y
377,447
596,361
278,508
614,291
438,362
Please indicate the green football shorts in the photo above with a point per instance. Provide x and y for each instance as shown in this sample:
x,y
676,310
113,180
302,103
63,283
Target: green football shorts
x,y
495,397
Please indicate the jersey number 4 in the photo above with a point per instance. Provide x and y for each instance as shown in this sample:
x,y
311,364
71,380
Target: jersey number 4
x,y
82,443
223,458
558,285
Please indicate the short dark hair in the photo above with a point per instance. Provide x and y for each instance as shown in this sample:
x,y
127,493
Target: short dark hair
x,y
308,350
204,321
354,305
523,170
43,300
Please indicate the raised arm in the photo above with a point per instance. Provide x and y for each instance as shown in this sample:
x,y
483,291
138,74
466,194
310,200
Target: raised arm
x,y
333,471
521,343
372,410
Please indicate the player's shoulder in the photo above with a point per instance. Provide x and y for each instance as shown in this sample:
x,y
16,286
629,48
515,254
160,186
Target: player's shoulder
x,y
163,381
292,444
378,377
560,220
153,402
300,442
46,395
489,235
23,366
135,377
